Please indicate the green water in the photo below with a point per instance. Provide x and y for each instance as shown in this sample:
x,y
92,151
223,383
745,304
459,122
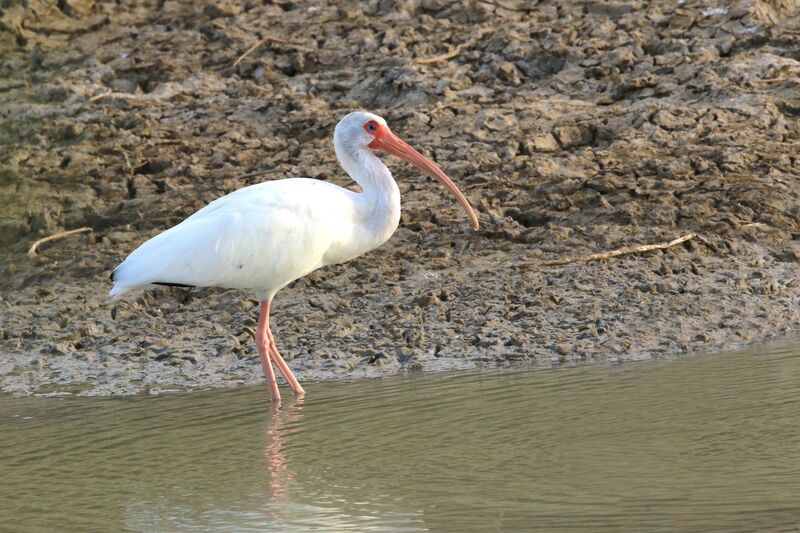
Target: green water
x,y
708,443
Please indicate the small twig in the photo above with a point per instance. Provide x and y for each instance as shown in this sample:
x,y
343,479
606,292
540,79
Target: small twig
x,y
759,225
125,155
772,80
452,53
613,253
253,48
435,59
151,97
100,96
55,237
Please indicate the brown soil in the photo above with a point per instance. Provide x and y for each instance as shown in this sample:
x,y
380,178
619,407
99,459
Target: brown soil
x,y
575,127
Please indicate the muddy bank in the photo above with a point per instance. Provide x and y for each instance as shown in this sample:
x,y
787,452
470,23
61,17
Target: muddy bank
x,y
573,128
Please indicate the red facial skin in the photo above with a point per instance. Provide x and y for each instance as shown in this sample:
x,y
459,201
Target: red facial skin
x,y
387,141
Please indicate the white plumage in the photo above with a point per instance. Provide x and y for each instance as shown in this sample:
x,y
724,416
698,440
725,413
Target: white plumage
x,y
265,236
261,237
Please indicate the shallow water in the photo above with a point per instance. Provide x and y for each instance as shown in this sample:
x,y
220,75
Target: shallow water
x,y
696,444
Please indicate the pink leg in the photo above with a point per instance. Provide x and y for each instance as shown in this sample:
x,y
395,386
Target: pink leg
x,y
297,389
263,345
272,353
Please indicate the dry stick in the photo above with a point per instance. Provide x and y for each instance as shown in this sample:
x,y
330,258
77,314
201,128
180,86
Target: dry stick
x,y
253,48
452,53
613,253
125,155
100,96
773,80
754,225
134,97
55,237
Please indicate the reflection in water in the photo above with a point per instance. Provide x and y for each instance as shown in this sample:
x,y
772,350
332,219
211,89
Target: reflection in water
x,y
702,443
277,473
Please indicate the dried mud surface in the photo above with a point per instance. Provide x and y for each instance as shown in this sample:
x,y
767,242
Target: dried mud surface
x,y
574,127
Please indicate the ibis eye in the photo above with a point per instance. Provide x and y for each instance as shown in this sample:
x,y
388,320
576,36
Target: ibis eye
x,y
371,126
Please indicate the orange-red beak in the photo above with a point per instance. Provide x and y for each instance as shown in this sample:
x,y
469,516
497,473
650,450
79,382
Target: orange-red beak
x,y
389,142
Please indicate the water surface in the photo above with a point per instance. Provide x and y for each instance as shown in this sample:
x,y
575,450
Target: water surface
x,y
698,444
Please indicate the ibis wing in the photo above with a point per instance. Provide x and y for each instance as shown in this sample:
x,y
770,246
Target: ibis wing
x,y
261,237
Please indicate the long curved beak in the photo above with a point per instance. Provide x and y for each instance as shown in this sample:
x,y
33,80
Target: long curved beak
x,y
389,142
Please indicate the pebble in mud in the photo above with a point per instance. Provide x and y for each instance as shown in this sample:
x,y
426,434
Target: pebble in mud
x,y
573,129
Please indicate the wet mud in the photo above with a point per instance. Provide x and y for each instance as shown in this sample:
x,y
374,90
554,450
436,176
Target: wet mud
x,y
574,128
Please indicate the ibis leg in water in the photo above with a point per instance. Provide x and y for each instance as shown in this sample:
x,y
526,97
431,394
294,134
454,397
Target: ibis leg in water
x,y
265,342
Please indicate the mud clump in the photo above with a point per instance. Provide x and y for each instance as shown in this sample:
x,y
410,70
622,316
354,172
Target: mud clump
x,y
574,129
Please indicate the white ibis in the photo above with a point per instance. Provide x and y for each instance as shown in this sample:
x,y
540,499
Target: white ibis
x,y
265,236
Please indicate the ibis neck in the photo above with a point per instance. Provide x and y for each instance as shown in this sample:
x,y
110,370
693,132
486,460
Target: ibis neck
x,y
379,203
372,176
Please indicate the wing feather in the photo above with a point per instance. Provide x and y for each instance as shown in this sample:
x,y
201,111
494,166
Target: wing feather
x,y
263,237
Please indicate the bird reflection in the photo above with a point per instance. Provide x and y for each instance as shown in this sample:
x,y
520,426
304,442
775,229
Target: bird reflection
x,y
278,474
